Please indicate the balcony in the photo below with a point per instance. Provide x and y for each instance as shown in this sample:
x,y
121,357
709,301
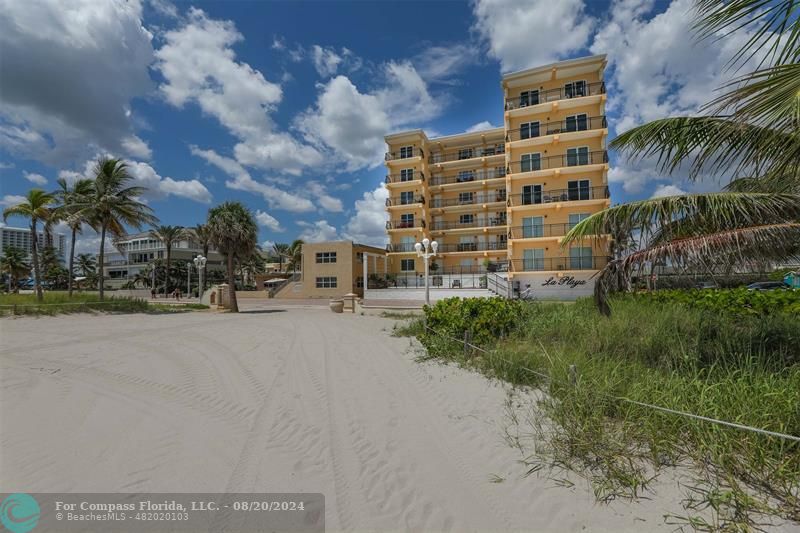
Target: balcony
x,y
559,161
553,95
473,199
443,225
472,246
537,231
405,200
404,154
466,176
554,128
400,247
559,263
401,178
467,152
571,194
404,224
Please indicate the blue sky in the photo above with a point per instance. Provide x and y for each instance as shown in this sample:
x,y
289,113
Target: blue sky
x,y
283,105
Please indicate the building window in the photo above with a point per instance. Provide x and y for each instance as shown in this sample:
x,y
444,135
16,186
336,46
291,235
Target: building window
x,y
533,259
406,197
466,198
580,257
529,130
527,98
575,89
465,153
466,175
326,257
574,218
406,152
359,282
359,256
578,156
407,265
466,219
577,122
531,194
407,174
530,162
579,190
407,220
326,282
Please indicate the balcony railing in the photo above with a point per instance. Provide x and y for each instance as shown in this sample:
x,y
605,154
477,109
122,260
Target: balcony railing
x,y
400,247
571,194
473,199
559,161
404,154
469,152
559,263
472,246
539,230
552,95
405,200
399,178
467,176
404,224
443,225
552,128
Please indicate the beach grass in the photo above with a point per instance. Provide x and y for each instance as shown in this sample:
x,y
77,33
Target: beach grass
x,y
57,303
743,369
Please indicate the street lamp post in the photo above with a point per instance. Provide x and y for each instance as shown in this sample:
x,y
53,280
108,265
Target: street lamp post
x,y
426,249
200,263
188,279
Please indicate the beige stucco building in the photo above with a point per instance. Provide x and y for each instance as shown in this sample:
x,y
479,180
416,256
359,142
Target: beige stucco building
x,y
501,199
335,268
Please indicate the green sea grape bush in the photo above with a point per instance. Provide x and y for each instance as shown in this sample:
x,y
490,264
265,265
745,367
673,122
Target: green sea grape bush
x,y
737,301
486,319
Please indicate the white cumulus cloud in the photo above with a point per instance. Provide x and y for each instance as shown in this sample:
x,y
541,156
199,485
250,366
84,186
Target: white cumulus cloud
x,y
36,179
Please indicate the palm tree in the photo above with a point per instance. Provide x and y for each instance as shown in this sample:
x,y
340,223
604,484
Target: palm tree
x,y
234,233
200,232
36,207
13,264
750,134
281,250
168,235
113,205
70,196
87,264
295,255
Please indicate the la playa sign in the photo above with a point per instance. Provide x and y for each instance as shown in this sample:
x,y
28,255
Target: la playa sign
x,y
569,281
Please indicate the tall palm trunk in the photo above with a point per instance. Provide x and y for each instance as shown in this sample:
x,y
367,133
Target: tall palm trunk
x,y
35,255
232,284
71,259
166,276
100,262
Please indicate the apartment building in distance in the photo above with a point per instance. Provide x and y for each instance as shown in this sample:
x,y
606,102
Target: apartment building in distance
x,y
21,238
500,200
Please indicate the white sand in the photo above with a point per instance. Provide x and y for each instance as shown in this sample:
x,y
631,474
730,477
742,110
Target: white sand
x,y
295,401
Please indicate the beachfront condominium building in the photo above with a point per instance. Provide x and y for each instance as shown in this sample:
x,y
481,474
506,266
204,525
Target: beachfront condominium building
x,y
501,199
21,238
135,252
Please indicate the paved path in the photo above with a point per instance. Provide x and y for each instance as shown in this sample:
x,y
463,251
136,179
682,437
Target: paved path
x,y
274,399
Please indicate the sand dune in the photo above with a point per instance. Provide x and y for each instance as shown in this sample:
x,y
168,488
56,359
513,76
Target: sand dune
x,y
295,400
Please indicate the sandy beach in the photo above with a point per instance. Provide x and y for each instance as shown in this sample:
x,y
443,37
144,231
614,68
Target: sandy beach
x,y
278,399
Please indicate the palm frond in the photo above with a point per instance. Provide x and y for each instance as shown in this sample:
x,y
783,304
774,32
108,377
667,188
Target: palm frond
x,y
772,19
712,145
717,210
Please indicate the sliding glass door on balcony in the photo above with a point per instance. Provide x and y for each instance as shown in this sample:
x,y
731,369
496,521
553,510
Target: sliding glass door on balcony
x,y
406,197
580,257
531,194
527,98
529,130
577,122
532,227
579,190
578,156
533,259
575,89
530,162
